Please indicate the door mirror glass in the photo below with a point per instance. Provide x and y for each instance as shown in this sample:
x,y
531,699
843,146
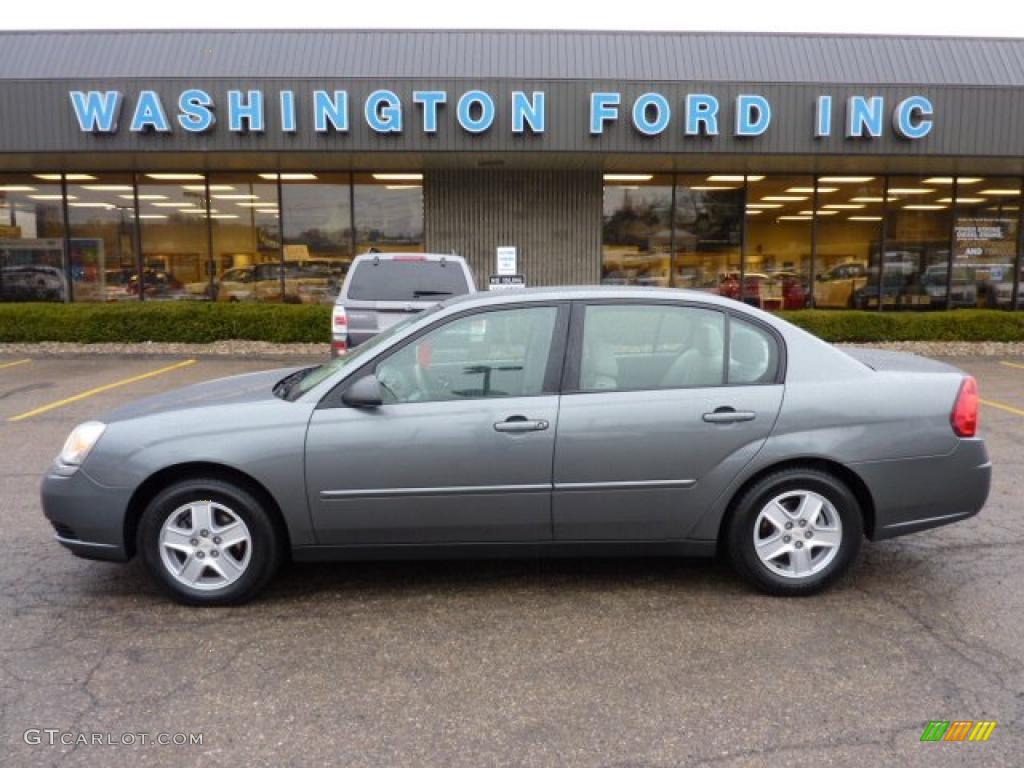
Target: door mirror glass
x,y
365,393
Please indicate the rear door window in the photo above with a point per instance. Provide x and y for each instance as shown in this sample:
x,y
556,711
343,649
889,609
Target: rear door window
x,y
394,280
637,346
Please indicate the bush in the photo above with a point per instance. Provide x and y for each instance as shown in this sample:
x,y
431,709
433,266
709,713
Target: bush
x,y
868,326
203,322
182,321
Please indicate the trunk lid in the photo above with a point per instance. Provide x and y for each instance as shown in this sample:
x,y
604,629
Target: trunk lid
x,y
891,361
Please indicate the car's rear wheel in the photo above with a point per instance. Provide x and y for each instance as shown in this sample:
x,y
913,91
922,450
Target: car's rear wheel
x,y
209,542
795,532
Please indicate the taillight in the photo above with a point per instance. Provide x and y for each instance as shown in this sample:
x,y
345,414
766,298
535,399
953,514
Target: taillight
x,y
339,348
339,320
964,417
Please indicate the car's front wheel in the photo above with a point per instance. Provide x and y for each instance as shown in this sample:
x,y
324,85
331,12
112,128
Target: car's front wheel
x,y
209,542
795,532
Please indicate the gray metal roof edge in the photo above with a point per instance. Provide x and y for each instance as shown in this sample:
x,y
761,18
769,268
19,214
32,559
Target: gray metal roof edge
x,y
525,30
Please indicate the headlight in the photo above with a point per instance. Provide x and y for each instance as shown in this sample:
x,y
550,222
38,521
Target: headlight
x,y
80,442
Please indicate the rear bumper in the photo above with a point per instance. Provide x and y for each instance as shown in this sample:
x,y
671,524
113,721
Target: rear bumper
x,y
916,494
88,517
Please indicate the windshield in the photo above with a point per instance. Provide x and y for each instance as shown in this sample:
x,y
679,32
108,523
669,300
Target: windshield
x,y
393,280
307,379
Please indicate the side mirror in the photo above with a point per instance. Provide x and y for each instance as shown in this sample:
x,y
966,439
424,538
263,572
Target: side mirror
x,y
365,393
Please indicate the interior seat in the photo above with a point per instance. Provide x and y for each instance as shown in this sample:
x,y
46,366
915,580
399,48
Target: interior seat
x,y
701,364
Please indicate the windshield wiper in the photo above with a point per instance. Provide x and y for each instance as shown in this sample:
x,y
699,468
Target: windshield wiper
x,y
417,294
283,388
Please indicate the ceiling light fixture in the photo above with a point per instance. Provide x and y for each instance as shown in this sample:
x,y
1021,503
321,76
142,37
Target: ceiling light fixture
x,y
846,179
405,176
607,176
176,176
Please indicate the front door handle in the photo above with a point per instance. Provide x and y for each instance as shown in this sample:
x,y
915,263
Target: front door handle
x,y
727,415
521,424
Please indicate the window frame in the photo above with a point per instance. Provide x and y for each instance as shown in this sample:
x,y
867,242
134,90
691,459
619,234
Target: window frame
x,y
553,369
574,351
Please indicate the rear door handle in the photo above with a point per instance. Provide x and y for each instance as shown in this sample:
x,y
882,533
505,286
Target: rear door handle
x,y
521,424
728,415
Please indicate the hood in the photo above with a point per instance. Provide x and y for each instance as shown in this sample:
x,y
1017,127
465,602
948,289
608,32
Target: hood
x,y
245,388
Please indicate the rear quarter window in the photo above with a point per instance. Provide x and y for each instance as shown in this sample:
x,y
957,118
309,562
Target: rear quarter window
x,y
753,354
390,280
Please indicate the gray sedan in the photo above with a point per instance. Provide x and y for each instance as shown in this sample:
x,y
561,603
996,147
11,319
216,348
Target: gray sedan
x,y
530,423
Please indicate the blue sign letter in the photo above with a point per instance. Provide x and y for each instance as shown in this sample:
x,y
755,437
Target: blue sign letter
x,y
97,111
603,107
251,112
333,110
911,118
465,111
701,114
149,113
288,111
527,111
747,106
383,112
823,118
196,109
864,114
662,113
430,101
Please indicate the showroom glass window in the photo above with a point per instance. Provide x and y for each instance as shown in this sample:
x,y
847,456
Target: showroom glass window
x,y
316,217
779,213
708,232
245,222
636,232
176,260
985,241
32,238
848,241
917,244
388,212
101,219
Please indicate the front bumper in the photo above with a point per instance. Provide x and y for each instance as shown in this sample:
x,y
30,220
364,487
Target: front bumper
x,y
916,494
89,518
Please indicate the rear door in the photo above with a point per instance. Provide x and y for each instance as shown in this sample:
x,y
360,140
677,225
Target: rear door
x,y
654,423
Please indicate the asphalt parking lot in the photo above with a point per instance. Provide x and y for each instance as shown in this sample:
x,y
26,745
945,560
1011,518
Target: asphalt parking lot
x,y
589,663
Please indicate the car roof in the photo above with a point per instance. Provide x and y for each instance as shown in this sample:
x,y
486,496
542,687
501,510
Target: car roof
x,y
410,256
580,292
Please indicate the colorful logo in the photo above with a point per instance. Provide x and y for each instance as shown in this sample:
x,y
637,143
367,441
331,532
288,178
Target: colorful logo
x,y
958,730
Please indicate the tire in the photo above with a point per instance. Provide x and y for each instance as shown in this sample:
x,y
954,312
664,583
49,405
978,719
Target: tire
x,y
212,570
799,565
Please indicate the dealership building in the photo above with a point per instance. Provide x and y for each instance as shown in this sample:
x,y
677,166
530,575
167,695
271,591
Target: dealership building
x,y
881,173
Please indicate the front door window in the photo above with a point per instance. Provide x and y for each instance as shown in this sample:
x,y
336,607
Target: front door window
x,y
501,353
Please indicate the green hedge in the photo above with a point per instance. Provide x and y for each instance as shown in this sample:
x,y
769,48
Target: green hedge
x,y
201,322
874,326
188,321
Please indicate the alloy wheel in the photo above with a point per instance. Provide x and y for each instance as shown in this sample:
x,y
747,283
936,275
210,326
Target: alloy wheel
x,y
797,534
205,545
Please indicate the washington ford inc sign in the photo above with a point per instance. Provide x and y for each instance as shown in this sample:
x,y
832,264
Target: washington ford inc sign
x,y
384,112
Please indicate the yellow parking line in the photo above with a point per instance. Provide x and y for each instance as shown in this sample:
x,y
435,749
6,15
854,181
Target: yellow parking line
x,y
14,363
1012,365
98,390
1003,407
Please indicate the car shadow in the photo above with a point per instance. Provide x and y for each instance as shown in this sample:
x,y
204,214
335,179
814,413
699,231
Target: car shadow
x,y
406,579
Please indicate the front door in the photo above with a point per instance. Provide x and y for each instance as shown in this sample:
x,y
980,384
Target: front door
x,y
650,429
461,450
